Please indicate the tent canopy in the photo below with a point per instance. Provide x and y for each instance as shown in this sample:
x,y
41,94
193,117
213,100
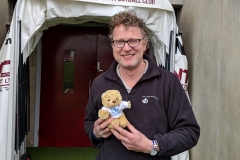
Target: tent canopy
x,y
39,15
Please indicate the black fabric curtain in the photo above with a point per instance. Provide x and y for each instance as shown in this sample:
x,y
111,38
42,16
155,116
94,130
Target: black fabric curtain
x,y
23,100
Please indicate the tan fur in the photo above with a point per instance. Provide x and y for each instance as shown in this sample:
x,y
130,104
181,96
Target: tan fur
x,y
111,99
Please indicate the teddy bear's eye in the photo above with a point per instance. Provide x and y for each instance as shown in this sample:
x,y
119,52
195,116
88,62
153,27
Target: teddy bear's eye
x,y
108,99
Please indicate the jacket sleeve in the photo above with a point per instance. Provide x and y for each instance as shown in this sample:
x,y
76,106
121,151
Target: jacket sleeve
x,y
90,118
184,129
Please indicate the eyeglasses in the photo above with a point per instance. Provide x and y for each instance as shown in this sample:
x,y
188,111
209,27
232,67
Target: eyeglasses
x,y
132,43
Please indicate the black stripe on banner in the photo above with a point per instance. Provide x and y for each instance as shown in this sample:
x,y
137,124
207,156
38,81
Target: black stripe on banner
x,y
180,47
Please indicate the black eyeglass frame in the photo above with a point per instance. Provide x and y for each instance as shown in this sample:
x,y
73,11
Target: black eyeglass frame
x,y
126,42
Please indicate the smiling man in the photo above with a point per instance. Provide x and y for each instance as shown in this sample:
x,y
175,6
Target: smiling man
x,y
161,120
128,49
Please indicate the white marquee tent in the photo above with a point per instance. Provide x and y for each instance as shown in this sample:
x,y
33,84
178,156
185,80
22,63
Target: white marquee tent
x,y
32,17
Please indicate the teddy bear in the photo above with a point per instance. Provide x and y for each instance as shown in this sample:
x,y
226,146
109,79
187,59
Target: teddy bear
x,y
113,106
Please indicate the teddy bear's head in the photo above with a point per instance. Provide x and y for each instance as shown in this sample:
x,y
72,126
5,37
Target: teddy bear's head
x,y
111,98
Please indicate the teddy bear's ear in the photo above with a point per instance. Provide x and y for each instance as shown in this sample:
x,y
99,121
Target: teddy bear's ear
x,y
103,95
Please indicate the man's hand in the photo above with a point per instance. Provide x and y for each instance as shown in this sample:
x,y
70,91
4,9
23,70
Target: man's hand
x,y
100,129
133,140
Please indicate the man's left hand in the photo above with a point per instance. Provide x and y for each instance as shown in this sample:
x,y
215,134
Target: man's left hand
x,y
132,139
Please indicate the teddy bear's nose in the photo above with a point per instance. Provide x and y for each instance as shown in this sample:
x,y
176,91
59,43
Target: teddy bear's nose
x,y
113,101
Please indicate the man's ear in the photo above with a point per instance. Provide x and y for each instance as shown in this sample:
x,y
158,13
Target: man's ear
x,y
146,45
28,159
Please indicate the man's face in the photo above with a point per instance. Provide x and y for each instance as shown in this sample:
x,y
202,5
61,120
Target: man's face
x,y
128,57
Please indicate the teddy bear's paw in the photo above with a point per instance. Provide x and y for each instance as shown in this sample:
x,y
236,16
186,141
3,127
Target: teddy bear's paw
x,y
103,114
123,124
129,104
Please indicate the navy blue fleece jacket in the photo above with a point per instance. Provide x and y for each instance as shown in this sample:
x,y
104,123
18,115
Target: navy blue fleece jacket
x,y
160,110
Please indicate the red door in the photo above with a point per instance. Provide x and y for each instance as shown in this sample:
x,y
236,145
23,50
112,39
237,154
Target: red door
x,y
69,64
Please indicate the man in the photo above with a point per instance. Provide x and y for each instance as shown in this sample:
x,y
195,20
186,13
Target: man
x,y
161,120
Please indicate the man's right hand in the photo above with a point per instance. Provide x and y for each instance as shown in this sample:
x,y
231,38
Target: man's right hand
x,y
101,129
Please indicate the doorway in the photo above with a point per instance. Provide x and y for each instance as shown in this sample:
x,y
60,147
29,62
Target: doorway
x,y
72,56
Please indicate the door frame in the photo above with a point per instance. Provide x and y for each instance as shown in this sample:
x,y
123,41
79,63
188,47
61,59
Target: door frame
x,y
37,94
38,82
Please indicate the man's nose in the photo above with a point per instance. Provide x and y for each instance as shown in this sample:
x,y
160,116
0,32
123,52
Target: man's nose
x,y
126,47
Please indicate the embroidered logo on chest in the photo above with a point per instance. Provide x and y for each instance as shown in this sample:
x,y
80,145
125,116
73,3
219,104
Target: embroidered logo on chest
x,y
146,99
